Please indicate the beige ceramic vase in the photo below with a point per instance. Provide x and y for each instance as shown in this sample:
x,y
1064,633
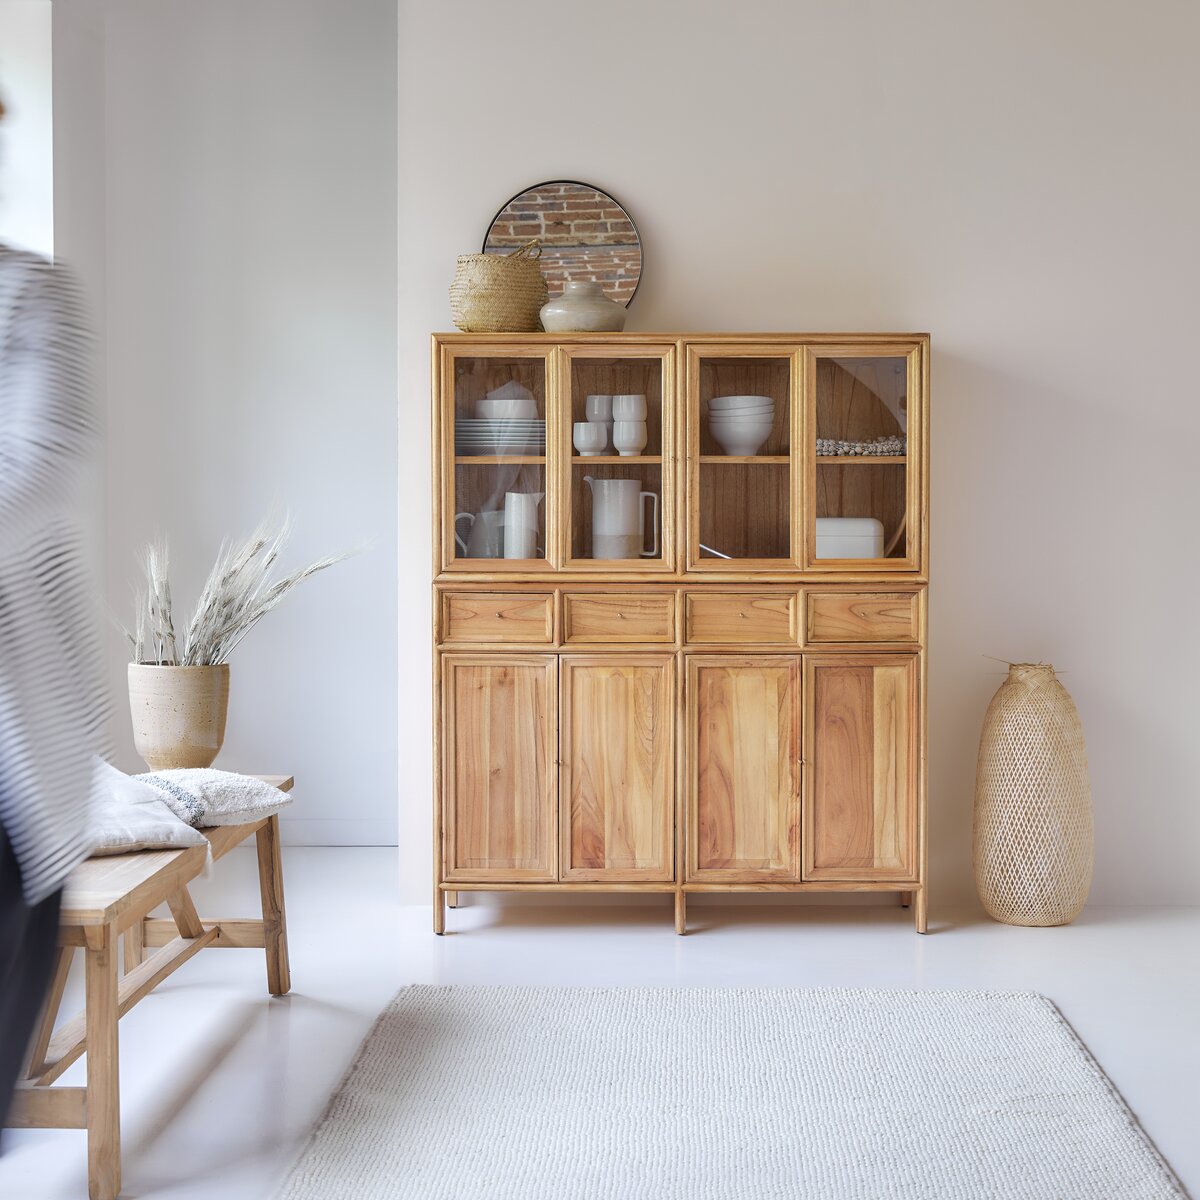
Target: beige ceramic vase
x,y
178,713
1033,803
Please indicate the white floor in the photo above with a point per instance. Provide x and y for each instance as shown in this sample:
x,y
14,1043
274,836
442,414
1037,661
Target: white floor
x,y
220,1083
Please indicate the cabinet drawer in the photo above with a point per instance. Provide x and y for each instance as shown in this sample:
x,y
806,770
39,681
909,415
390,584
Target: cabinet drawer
x,y
618,618
736,617
834,617
498,617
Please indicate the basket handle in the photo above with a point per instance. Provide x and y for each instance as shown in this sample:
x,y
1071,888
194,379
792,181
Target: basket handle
x,y
531,249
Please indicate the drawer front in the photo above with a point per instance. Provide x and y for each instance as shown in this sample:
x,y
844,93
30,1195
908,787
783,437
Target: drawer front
x,y
731,618
498,617
841,617
618,618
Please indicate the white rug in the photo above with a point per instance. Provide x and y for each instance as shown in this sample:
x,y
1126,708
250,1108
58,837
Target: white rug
x,y
519,1094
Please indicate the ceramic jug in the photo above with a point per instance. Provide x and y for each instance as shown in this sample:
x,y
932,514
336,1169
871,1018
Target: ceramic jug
x,y
582,307
521,524
485,534
619,518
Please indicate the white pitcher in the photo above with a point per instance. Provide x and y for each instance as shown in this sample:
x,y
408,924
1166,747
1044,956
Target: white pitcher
x,y
485,534
619,518
521,524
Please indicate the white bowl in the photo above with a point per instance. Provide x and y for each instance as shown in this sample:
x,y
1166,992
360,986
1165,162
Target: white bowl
x,y
520,408
741,442
759,421
726,403
510,391
765,414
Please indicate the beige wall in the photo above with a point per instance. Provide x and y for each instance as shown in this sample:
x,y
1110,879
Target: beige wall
x,y
1015,178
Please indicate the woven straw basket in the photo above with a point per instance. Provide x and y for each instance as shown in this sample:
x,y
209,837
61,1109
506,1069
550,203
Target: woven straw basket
x,y
1033,803
499,293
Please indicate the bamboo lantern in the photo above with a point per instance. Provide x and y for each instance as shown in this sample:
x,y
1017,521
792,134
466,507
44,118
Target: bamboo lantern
x,y
1033,843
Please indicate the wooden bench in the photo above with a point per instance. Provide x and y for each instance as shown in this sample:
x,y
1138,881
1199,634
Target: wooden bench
x,y
111,897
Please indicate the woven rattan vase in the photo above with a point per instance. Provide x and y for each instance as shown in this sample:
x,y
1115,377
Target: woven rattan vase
x,y
499,293
1033,803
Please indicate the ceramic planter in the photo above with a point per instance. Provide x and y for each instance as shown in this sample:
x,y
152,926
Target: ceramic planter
x,y
178,713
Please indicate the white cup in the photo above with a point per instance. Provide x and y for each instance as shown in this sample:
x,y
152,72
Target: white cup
x,y
629,437
629,408
591,437
599,408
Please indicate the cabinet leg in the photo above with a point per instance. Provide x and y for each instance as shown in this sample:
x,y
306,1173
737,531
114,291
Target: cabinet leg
x,y
439,910
921,910
451,899
681,912
905,899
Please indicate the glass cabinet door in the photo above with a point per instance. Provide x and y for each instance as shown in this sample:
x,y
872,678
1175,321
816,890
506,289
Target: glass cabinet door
x,y
863,493
617,447
743,413
496,408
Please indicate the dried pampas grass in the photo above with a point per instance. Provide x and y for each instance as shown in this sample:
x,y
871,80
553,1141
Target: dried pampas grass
x,y
238,593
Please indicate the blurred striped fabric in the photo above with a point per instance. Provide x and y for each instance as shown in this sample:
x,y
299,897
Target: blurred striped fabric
x,y
51,712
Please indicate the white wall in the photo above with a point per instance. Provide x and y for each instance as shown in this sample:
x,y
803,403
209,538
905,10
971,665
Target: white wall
x,y
1012,177
26,141
248,186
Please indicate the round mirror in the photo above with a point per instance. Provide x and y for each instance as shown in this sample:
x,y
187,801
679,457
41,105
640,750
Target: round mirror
x,y
584,233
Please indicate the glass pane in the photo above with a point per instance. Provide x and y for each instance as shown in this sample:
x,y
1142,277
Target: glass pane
x,y
744,414
499,456
616,510
616,400
499,510
862,457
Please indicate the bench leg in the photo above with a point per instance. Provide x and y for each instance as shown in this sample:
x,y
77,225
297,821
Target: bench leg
x,y
103,1094
134,946
270,883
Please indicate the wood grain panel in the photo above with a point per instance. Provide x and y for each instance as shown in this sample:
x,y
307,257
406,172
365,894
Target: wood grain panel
x,y
860,795
499,773
861,617
620,617
744,740
617,767
740,617
498,617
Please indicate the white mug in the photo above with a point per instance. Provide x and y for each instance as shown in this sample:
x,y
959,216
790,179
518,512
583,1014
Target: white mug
x,y
590,437
619,518
629,437
629,408
521,524
599,408
485,536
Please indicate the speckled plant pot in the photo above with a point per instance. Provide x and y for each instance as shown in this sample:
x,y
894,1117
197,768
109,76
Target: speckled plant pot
x,y
178,713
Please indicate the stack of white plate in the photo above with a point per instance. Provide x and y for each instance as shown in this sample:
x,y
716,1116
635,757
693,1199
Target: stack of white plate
x,y
741,424
499,436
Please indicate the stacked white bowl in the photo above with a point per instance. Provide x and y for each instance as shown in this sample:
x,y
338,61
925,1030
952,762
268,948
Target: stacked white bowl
x,y
741,424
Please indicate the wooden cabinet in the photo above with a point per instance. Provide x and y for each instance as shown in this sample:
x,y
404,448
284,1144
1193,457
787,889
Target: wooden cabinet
x,y
861,767
498,739
743,752
618,764
697,668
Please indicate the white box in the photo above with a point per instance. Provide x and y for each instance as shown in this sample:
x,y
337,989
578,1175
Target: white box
x,y
849,537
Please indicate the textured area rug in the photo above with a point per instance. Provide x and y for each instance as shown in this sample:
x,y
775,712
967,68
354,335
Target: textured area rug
x,y
518,1094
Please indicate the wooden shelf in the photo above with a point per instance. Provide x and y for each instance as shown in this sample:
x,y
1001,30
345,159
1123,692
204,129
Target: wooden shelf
x,y
854,460
498,460
618,460
768,460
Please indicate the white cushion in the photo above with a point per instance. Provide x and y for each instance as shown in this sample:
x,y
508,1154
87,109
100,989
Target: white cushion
x,y
127,815
204,797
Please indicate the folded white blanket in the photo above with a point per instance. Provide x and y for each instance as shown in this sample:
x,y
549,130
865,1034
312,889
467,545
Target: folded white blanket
x,y
203,797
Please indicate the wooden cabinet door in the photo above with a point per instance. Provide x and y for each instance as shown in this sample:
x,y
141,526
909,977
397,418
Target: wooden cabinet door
x,y
618,765
743,728
861,726
498,752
